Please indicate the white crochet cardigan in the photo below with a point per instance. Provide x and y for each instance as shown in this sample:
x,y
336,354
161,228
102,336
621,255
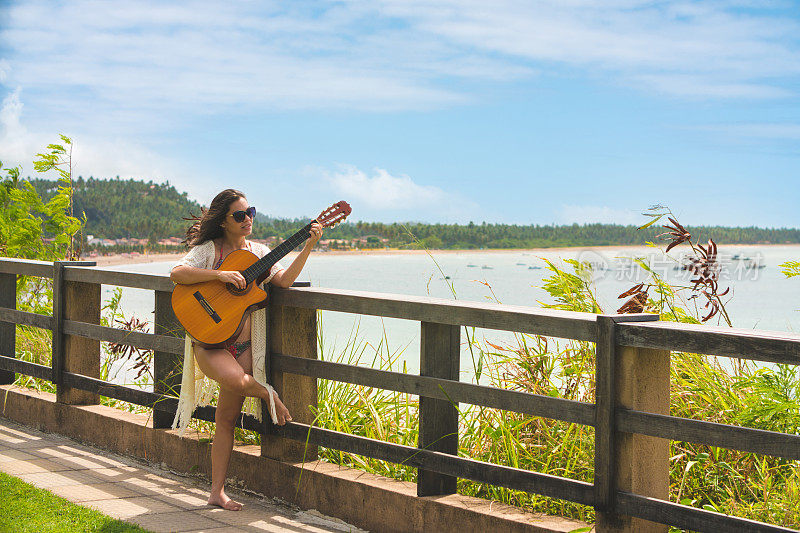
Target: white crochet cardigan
x,y
196,388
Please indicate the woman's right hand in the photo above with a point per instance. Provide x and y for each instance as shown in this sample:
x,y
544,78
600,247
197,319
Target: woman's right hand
x,y
232,276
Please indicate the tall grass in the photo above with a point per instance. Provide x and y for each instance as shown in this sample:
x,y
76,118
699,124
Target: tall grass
x,y
490,435
375,413
708,388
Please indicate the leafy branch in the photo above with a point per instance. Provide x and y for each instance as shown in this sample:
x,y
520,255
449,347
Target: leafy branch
x,y
790,268
59,159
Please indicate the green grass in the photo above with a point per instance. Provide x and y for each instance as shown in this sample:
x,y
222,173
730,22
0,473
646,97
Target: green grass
x,y
24,508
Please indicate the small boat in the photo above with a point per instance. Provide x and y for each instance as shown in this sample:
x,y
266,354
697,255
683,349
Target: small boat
x,y
521,264
472,266
534,268
754,265
487,267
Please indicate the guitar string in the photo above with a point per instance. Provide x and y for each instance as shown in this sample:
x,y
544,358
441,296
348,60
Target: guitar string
x,y
254,271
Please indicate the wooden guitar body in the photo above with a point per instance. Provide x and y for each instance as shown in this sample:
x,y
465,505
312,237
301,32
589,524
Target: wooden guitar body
x,y
213,312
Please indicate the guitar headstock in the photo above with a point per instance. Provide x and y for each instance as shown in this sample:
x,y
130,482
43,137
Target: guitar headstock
x,y
334,214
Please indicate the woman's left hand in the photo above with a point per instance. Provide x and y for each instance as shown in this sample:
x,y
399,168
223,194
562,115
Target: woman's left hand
x,y
316,234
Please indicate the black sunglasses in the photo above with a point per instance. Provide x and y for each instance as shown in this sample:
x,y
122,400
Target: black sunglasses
x,y
238,216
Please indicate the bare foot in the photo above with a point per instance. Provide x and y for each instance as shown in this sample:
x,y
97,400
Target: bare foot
x,y
223,501
282,412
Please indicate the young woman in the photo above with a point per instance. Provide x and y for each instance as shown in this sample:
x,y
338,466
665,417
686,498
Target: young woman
x,y
220,230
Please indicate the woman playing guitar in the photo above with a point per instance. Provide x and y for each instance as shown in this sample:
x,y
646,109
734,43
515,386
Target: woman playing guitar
x,y
220,230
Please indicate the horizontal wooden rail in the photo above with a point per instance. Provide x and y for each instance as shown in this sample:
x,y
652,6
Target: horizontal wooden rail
x,y
25,367
119,392
26,267
149,399
777,347
25,318
145,341
145,398
548,322
443,463
443,389
509,477
702,432
138,280
690,518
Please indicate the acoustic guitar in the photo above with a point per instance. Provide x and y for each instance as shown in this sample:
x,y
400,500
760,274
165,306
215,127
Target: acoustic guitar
x,y
213,312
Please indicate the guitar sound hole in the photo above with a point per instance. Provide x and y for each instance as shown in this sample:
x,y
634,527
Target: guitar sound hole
x,y
233,289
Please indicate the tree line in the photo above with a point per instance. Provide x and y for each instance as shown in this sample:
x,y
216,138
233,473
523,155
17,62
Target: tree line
x,y
128,208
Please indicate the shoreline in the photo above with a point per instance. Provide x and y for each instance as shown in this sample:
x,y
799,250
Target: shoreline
x,y
125,259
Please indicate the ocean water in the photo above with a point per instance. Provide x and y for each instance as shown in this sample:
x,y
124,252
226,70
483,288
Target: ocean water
x,y
760,296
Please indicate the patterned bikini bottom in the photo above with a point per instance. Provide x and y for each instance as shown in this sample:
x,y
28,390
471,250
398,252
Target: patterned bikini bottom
x,y
238,348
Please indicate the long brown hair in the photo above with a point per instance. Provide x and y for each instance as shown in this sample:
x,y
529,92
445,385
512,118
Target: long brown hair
x,y
209,224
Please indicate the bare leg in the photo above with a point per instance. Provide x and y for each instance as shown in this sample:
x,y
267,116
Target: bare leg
x,y
229,406
220,366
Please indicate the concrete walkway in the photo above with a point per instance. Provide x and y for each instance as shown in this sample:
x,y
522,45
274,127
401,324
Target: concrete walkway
x,y
122,488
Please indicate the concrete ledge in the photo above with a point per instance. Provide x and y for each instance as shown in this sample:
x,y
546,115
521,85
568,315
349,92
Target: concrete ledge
x,y
365,500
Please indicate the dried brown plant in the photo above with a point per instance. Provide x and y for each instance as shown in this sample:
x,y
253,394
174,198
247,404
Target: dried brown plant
x,y
125,351
677,233
638,300
704,265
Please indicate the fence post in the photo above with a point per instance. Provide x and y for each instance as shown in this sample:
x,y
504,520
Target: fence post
x,y
633,378
438,419
8,330
74,300
167,367
291,331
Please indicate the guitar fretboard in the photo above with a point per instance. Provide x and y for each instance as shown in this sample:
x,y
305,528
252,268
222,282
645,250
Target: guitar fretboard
x,y
262,266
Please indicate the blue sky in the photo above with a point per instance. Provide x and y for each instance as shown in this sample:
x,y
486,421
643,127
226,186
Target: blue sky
x,y
440,111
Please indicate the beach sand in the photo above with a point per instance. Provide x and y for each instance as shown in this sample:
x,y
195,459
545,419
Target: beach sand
x,y
128,259
124,259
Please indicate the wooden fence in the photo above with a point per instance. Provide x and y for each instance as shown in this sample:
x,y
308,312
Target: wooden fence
x,y
630,418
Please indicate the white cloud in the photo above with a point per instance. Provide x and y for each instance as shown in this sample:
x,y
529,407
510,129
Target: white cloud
x,y
17,145
108,72
151,57
384,191
4,68
374,196
588,214
98,157
714,49
766,130
708,86
143,63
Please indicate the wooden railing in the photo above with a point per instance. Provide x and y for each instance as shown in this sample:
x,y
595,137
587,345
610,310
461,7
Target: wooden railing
x,y
630,418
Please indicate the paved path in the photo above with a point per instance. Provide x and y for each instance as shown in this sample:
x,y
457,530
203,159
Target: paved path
x,y
123,488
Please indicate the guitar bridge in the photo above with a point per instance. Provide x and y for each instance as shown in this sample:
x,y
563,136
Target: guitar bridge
x,y
207,307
